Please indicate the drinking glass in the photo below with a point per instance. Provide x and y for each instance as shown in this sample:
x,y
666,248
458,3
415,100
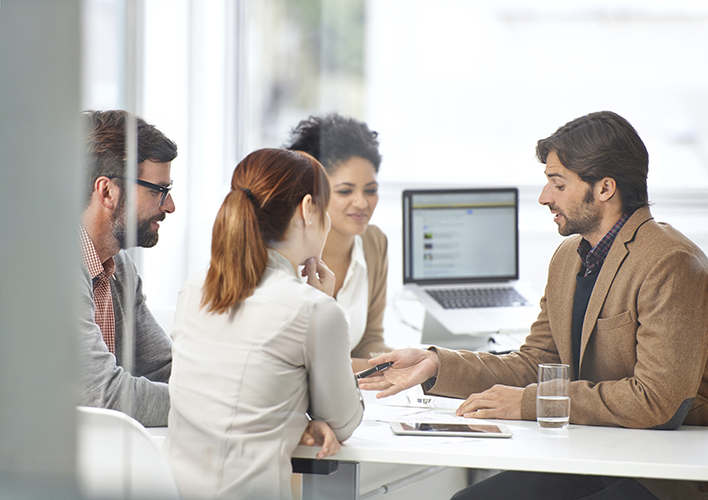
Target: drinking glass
x,y
553,396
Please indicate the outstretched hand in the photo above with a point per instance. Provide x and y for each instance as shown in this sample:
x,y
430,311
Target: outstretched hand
x,y
319,275
318,433
410,367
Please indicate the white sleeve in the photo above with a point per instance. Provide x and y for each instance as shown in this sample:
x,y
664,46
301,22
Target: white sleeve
x,y
334,392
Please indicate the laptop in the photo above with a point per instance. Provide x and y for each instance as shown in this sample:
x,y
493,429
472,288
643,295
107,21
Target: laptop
x,y
461,259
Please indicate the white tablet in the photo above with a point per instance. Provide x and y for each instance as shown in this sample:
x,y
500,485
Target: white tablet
x,y
466,430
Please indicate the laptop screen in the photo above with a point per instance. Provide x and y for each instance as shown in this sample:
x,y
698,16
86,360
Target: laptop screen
x,y
460,235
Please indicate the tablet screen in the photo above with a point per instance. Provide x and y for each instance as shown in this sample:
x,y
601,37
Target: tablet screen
x,y
450,429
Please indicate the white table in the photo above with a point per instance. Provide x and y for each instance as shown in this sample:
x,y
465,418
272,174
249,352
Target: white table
x,y
680,454
608,451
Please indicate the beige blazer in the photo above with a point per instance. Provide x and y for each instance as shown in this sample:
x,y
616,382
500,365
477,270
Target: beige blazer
x,y
644,339
376,255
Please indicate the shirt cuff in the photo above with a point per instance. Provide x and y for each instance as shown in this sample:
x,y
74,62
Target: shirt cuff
x,y
428,384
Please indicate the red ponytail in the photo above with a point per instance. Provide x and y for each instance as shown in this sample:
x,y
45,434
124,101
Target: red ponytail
x,y
266,188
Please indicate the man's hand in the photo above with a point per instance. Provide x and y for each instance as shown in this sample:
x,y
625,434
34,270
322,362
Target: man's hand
x,y
319,275
319,433
410,367
500,401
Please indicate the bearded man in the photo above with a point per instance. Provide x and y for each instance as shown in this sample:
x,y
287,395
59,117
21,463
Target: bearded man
x,y
109,276
624,307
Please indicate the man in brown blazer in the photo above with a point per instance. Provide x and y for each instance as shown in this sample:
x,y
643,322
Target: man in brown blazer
x,y
626,306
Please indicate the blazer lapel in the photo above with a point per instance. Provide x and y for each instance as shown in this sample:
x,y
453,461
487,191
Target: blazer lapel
x,y
560,293
609,270
562,335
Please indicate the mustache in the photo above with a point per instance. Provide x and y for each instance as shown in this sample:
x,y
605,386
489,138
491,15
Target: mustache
x,y
553,209
158,218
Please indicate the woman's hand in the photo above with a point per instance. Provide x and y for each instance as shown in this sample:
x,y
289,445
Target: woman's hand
x,y
410,367
319,433
319,275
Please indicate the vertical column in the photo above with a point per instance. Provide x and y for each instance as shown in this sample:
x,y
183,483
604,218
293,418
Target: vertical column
x,y
40,200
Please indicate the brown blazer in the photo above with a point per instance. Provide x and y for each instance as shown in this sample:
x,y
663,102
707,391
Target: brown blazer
x,y
644,339
376,256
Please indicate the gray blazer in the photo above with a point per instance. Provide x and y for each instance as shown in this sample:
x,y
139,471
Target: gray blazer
x,y
142,393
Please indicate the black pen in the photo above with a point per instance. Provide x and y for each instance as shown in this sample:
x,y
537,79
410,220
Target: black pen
x,y
371,371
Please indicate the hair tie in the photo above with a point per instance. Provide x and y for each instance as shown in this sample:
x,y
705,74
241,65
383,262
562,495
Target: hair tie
x,y
248,193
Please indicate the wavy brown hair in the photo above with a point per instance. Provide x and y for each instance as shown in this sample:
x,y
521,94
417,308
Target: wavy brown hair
x,y
266,188
603,144
105,144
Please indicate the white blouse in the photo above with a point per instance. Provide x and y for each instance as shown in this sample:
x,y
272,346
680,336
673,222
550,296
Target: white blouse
x,y
242,382
354,294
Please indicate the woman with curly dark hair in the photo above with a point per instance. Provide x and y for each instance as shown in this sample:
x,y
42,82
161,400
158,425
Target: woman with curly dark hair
x,y
356,251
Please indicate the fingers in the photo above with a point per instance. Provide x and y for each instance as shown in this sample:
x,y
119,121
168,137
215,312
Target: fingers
x,y
385,382
374,383
481,408
319,275
497,402
484,413
386,385
381,358
330,445
326,277
310,267
318,432
474,404
307,439
410,367
394,389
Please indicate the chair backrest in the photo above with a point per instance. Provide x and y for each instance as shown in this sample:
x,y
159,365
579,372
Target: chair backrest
x,y
117,458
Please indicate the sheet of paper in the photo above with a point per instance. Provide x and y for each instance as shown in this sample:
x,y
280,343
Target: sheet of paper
x,y
412,398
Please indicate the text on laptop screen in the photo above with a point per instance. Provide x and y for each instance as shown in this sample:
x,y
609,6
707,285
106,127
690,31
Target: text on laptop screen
x,y
460,235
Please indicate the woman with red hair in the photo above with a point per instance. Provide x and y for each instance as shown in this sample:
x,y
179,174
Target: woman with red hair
x,y
256,352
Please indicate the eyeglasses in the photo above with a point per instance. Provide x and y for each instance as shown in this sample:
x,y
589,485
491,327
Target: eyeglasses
x,y
165,190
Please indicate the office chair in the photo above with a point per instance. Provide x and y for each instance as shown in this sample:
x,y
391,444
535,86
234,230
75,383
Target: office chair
x,y
116,458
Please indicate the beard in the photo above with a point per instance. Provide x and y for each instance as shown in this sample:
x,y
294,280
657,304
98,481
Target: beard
x,y
146,236
581,218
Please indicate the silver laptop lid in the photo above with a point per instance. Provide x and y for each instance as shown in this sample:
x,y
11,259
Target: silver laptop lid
x,y
460,236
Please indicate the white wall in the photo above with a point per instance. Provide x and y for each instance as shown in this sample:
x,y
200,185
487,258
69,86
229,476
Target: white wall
x,y
460,92
465,88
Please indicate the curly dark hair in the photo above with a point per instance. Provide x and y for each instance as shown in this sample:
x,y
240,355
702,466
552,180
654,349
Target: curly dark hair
x,y
334,139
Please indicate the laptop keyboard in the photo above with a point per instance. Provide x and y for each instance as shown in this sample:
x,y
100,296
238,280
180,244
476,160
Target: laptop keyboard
x,y
458,298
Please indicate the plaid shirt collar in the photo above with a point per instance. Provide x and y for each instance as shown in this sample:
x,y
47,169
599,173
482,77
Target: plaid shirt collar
x,y
90,257
594,257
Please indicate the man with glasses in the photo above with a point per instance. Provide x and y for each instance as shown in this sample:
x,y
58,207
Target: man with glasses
x,y
109,274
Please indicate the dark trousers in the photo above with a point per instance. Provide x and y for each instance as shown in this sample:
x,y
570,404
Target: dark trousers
x,y
512,485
